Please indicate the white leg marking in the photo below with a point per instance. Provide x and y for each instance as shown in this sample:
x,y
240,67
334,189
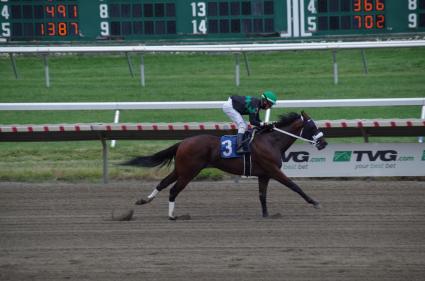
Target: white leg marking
x,y
171,206
153,194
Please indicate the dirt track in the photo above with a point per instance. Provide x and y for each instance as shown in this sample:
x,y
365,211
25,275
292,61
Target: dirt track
x,y
366,230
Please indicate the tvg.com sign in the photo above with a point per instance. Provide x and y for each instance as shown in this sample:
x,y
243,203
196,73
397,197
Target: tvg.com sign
x,y
365,155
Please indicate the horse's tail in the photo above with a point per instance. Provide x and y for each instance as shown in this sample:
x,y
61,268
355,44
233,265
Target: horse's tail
x,y
163,157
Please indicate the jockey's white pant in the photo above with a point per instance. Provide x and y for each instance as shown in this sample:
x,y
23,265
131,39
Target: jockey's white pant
x,y
235,116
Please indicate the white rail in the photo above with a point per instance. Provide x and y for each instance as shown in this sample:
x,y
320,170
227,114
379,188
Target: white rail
x,y
229,48
209,104
217,47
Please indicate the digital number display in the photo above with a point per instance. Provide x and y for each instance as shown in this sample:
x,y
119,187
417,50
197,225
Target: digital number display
x,y
206,20
40,20
360,14
351,17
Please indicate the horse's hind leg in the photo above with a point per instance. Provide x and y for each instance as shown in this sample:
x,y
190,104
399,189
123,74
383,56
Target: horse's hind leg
x,y
172,177
182,181
174,191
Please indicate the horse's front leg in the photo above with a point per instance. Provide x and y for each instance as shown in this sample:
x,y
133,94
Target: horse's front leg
x,y
283,179
262,188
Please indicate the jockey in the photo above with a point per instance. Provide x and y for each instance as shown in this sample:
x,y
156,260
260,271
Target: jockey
x,y
236,106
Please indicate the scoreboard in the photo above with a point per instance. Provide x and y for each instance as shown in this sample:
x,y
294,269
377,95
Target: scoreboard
x,y
206,20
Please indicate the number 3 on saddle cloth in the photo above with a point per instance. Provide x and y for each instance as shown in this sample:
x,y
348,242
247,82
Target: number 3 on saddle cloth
x,y
228,149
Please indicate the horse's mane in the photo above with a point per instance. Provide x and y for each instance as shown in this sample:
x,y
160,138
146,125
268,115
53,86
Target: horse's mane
x,y
286,119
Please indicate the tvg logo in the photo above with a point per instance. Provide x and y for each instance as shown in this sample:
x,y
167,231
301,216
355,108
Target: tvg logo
x,y
360,155
296,156
383,155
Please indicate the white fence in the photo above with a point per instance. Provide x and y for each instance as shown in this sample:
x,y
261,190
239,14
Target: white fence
x,y
216,47
210,104
227,48
117,106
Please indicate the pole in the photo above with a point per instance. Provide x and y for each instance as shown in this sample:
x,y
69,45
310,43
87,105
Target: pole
x,y
237,70
335,67
130,64
267,116
421,139
365,68
46,71
116,120
13,62
105,161
142,70
248,69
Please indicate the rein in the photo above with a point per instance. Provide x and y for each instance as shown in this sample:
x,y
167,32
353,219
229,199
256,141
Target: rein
x,y
294,136
314,141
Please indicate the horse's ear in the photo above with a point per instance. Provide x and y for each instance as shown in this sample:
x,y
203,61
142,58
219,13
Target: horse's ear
x,y
305,115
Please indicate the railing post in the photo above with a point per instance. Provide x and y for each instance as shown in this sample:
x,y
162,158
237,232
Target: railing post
x,y
365,68
130,64
237,70
267,116
248,68
105,161
421,139
46,71
335,67
13,61
116,120
142,70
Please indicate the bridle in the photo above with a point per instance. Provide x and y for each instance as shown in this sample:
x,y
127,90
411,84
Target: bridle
x,y
315,137
314,141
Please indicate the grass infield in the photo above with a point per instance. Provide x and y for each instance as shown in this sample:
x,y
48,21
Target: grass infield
x,y
393,73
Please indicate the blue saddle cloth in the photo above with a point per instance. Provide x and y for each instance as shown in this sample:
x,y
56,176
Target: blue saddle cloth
x,y
228,146
228,150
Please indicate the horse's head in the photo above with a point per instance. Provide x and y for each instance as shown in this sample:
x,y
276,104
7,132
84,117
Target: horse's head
x,y
311,132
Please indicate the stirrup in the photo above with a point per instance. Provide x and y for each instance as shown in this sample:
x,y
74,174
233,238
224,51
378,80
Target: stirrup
x,y
241,150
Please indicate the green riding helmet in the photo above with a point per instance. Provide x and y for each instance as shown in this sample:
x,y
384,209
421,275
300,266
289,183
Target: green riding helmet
x,y
270,96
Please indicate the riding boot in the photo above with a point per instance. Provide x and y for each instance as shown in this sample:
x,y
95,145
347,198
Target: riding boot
x,y
239,145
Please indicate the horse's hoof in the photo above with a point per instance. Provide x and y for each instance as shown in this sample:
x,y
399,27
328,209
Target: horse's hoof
x,y
181,218
317,205
142,201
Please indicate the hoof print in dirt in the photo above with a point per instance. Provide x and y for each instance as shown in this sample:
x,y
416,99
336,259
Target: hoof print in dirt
x,y
122,215
276,216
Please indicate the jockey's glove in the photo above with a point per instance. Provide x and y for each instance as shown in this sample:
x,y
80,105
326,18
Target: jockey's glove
x,y
267,125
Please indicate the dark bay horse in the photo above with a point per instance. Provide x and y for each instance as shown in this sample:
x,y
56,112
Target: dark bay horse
x,y
203,151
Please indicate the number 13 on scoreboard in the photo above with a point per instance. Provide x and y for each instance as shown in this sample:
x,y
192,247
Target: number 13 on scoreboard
x,y
199,13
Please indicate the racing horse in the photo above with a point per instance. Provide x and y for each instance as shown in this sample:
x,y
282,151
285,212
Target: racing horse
x,y
203,151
